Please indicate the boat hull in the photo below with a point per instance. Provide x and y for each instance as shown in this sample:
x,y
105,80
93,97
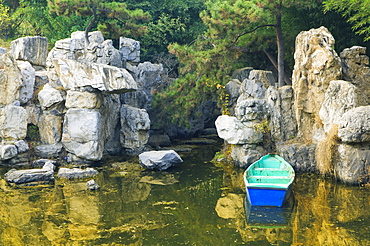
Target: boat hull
x,y
261,196
268,181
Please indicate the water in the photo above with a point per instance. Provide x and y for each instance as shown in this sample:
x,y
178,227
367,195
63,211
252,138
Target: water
x,y
196,203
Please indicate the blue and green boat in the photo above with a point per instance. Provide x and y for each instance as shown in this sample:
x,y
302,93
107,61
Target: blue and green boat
x,y
268,181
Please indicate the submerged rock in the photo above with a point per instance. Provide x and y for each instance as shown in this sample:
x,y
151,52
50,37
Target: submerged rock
x,y
160,160
76,173
92,185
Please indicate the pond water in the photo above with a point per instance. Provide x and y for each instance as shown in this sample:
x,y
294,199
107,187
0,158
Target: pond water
x,y
196,203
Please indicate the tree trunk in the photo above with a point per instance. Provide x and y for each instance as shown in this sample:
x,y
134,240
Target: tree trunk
x,y
280,46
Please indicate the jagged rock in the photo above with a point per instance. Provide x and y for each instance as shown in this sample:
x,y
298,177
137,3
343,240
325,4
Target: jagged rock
x,y
265,77
355,64
316,64
10,80
76,173
301,156
22,146
50,127
340,97
41,78
234,131
13,123
233,89
244,155
3,51
33,114
30,177
31,49
130,49
251,110
8,151
82,133
75,75
351,163
77,99
49,151
135,126
92,185
45,163
110,112
242,73
251,89
160,160
28,79
49,97
280,104
354,125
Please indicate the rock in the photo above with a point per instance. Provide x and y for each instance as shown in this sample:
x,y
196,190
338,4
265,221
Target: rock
x,y
82,133
8,151
49,166
76,173
31,49
44,163
251,89
350,163
234,131
22,146
160,160
3,51
230,206
76,75
30,177
92,185
354,125
242,73
316,64
244,155
135,125
110,112
233,89
50,127
301,156
28,79
262,76
340,97
49,150
33,114
159,140
10,80
251,109
130,49
49,97
77,99
13,123
280,104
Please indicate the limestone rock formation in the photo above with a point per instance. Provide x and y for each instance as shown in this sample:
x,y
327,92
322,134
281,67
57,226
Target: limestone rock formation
x,y
76,173
10,80
31,49
354,126
316,64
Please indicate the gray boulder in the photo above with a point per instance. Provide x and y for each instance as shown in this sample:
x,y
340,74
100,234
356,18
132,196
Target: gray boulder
x,y
160,160
76,173
354,126
30,177
49,150
31,49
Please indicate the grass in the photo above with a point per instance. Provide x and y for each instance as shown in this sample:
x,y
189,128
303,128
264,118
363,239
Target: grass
x,y
5,43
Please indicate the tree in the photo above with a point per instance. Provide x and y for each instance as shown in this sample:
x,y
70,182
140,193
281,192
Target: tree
x,y
357,13
5,20
113,18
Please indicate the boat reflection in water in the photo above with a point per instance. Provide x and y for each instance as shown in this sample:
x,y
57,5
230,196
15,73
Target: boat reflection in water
x,y
269,216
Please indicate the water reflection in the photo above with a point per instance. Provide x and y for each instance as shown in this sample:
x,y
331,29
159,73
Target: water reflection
x,y
196,203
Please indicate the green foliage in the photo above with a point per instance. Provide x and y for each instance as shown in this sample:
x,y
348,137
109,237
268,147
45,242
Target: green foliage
x,y
114,19
356,12
33,133
6,21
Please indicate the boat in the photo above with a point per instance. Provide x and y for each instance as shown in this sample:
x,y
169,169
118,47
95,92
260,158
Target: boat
x,y
268,181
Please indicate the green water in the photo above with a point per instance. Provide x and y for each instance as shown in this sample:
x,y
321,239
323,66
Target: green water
x,y
196,203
